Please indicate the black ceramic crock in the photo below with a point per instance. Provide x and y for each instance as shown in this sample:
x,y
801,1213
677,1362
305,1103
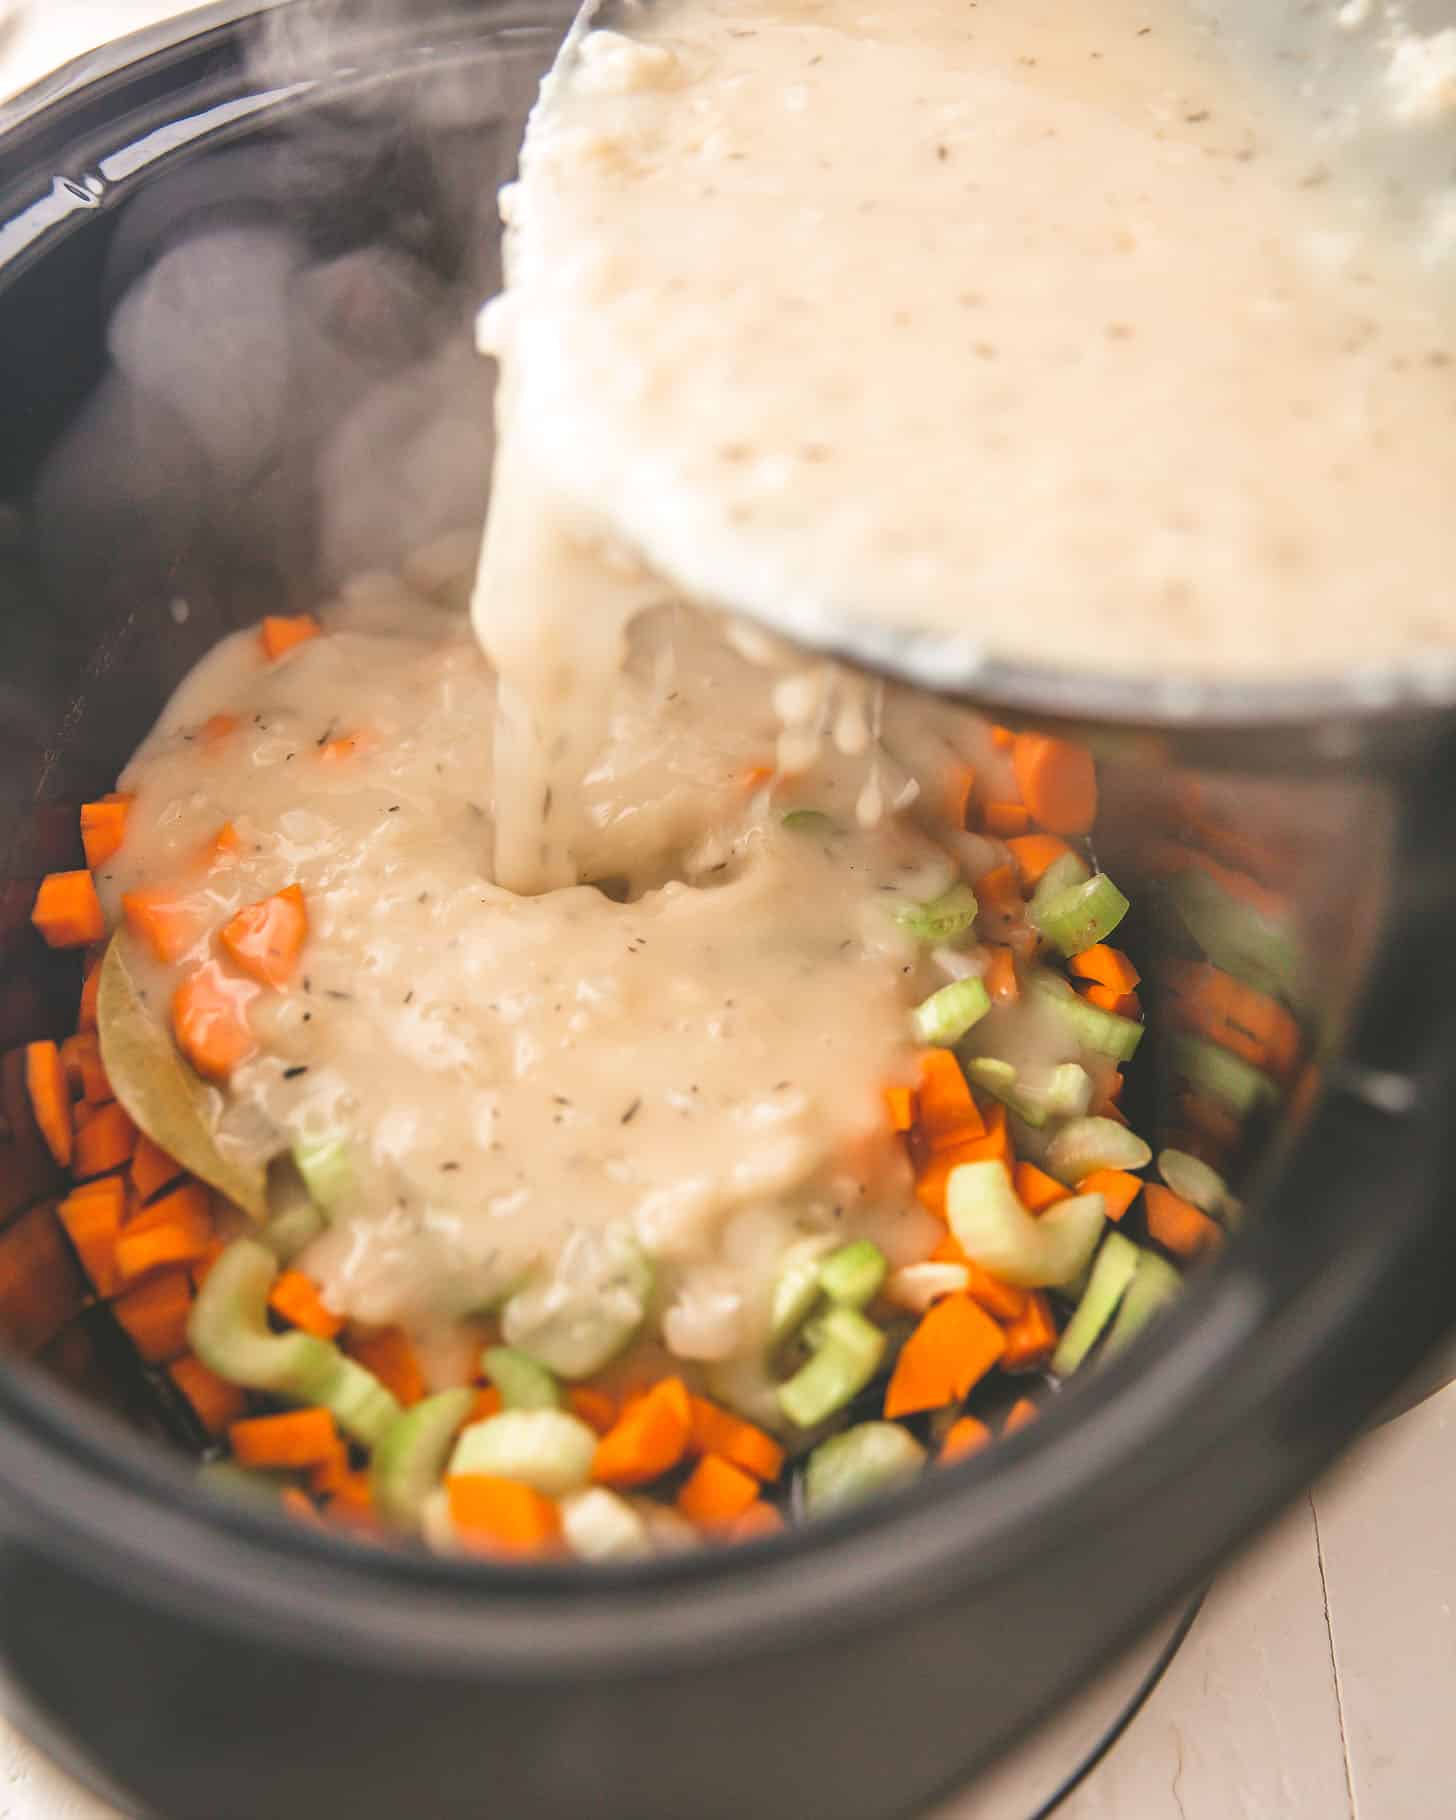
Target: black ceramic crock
x,y
197,1661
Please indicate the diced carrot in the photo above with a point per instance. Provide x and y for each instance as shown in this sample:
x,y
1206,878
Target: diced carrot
x,y
1119,1188
103,829
41,1289
1108,967
1001,981
301,1507
649,1438
390,1356
344,746
488,1402
167,923
502,1516
298,1438
281,633
1002,738
757,1521
265,939
1006,819
1177,1224
188,1204
210,1017
296,1298
227,843
1120,1004
216,1403
900,1104
718,1431
86,1013
994,1145
1003,1300
755,777
215,729
960,789
352,1502
203,1267
955,1344
104,1143
716,1492
81,1054
964,1437
1032,1338
331,1475
1033,854
1057,781
998,890
152,1169
139,1253
50,1097
67,910
1022,1411
92,1218
947,1114
1035,1189
154,1314
594,1407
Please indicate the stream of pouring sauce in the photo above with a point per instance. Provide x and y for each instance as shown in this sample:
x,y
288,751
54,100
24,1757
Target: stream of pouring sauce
x,y
1023,324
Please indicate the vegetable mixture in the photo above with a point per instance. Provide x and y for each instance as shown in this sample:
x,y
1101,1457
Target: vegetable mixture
x,y
779,1164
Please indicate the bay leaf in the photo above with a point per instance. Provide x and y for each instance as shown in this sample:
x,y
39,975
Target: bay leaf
x,y
163,1096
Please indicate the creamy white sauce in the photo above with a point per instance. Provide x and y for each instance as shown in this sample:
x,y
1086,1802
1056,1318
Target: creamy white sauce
x,y
1023,322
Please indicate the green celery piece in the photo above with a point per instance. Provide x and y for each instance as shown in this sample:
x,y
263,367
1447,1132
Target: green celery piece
x,y
327,1168
161,1095
995,1230
854,1465
580,1315
809,821
1264,952
547,1448
1113,1270
1093,1027
1193,1179
523,1382
228,1330
1061,875
796,1290
1085,1144
846,1357
1081,916
293,1220
1155,1284
409,1460
1066,1091
600,1526
854,1275
943,918
1224,1077
944,1018
250,1484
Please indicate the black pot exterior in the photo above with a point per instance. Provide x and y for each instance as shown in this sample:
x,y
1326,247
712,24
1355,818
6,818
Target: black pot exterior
x,y
204,1663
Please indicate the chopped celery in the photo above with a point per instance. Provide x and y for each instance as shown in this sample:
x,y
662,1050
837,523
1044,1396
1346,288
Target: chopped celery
x,y
797,1289
600,1526
327,1169
409,1460
852,1466
1264,951
1116,1262
854,1275
944,1018
1059,876
943,918
1154,1285
746,1386
252,1484
523,1382
293,1220
1083,1145
545,1448
1080,916
809,821
995,1231
1193,1179
1093,1027
1238,1085
584,1312
228,1330
1061,1092
846,1356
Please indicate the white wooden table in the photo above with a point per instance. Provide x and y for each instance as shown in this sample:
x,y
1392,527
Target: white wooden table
x,y
1319,1681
